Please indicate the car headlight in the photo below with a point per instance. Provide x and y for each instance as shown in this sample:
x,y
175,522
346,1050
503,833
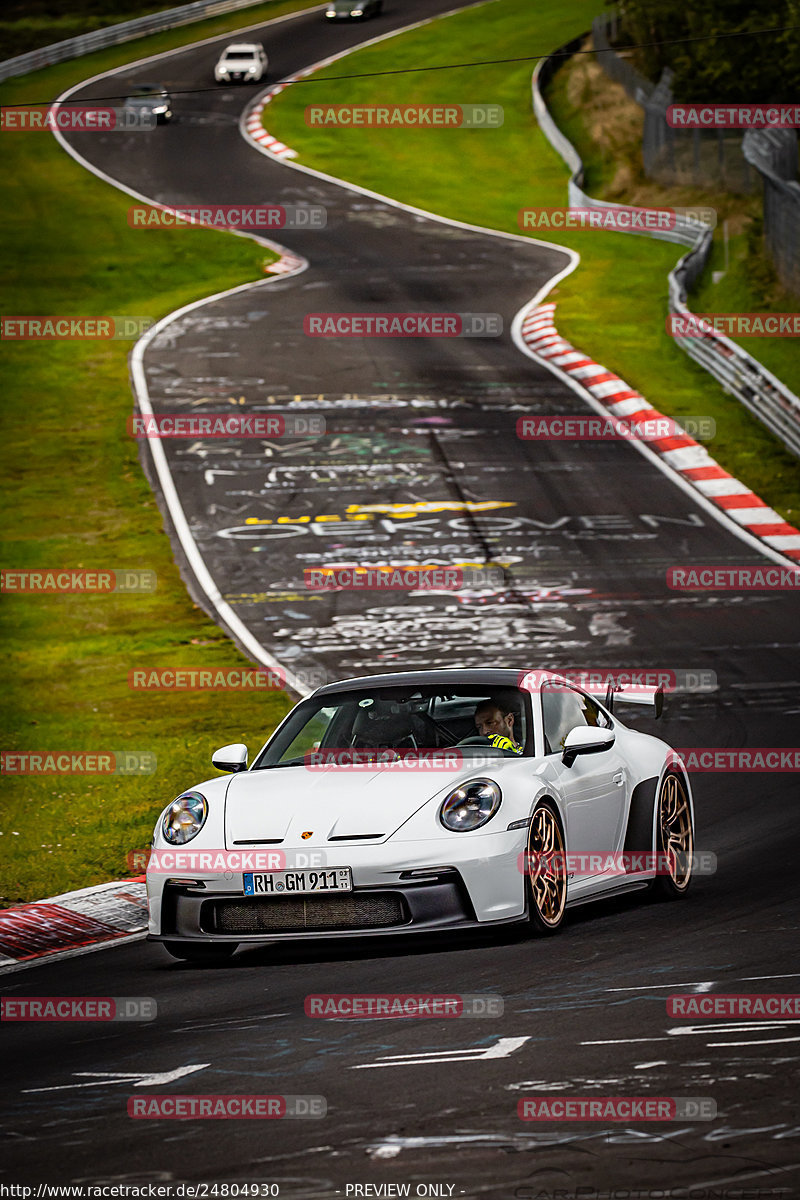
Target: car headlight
x,y
184,818
470,805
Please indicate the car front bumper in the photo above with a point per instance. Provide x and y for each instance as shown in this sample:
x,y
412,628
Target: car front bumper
x,y
442,903
460,882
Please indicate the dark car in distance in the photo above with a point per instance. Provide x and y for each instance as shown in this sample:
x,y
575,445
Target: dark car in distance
x,y
353,10
150,99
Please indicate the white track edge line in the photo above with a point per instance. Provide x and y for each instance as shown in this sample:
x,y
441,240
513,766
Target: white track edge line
x,y
196,561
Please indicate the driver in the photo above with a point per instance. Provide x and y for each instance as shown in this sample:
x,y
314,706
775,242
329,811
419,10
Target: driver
x,y
493,720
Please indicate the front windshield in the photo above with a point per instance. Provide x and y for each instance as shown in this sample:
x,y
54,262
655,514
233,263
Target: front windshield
x,y
478,720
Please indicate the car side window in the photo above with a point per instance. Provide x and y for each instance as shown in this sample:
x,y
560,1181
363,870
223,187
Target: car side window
x,y
563,709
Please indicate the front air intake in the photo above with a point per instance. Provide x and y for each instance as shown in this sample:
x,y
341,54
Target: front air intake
x,y
298,914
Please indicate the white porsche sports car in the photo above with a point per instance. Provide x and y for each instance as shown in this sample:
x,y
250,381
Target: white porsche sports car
x,y
422,801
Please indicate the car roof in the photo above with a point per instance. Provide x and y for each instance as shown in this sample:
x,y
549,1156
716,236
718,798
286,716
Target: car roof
x,y
249,47
475,676
139,88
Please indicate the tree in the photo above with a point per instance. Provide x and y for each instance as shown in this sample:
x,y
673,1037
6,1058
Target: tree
x,y
714,68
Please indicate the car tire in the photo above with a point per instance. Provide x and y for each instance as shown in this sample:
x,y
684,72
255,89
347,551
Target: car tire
x,y
200,954
675,833
547,886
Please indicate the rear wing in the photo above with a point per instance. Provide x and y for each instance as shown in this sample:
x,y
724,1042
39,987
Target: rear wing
x,y
634,694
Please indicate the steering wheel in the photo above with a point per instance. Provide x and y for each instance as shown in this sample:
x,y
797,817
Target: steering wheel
x,y
476,740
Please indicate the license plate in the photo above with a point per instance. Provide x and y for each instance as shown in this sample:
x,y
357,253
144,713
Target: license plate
x,y
297,883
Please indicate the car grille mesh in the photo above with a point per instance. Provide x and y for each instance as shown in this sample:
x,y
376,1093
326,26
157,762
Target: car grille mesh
x,y
299,913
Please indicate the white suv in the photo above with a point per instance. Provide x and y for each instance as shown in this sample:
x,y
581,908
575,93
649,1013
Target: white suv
x,y
242,62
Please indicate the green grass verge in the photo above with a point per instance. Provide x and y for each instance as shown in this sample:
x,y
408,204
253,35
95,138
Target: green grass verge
x,y
27,24
614,306
75,496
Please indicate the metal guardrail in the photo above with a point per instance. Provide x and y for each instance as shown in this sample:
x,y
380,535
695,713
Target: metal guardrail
x,y
741,375
114,35
685,231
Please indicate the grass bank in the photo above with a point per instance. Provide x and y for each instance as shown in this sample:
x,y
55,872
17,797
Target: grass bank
x,y
75,496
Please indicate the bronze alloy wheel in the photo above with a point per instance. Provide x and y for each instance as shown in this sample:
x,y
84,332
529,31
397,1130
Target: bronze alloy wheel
x,y
675,837
547,870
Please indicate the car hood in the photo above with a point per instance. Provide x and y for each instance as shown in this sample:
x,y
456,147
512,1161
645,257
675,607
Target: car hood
x,y
281,804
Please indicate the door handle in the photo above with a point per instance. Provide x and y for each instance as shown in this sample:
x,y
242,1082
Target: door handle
x,y
619,778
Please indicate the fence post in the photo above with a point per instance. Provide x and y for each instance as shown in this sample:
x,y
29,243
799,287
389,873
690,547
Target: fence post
x,y
773,153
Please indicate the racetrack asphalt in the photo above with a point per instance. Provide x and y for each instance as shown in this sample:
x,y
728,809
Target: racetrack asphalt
x,y
589,530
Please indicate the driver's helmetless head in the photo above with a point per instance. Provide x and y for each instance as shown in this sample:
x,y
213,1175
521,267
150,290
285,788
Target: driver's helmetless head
x,y
491,717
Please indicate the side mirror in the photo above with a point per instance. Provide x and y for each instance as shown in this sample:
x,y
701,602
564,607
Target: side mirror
x,y
586,739
230,758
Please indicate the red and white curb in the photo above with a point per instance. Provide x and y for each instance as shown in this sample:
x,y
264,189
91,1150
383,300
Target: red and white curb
x,y
287,264
72,923
680,452
253,125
